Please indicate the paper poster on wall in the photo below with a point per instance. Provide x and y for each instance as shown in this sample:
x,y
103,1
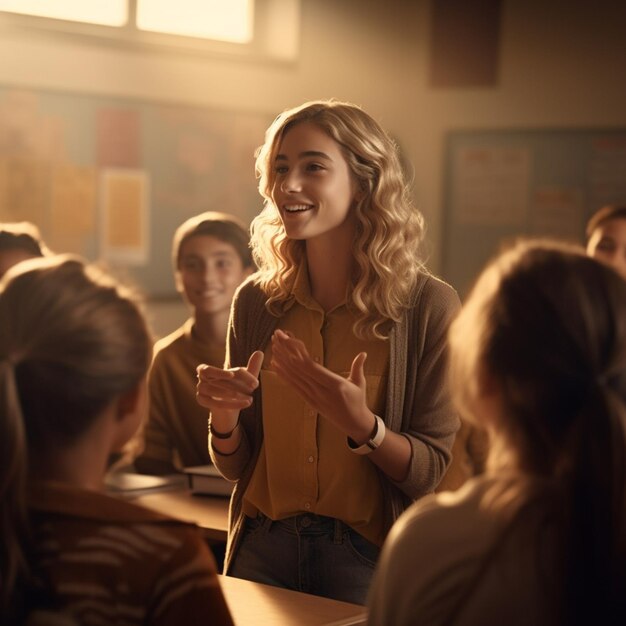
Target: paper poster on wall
x,y
124,216
28,131
72,207
607,171
69,161
118,138
492,185
557,212
24,190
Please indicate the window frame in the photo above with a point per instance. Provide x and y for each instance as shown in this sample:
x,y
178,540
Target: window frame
x,y
262,46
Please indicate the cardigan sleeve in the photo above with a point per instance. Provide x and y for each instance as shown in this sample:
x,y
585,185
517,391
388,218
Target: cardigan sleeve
x,y
231,466
430,420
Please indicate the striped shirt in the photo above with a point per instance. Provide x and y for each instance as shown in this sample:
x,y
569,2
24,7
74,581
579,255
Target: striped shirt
x,y
105,561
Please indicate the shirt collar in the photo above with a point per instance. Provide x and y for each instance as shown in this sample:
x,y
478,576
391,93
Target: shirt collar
x,y
301,290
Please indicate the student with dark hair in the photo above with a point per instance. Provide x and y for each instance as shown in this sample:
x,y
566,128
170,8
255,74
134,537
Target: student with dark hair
x,y
211,257
74,353
606,237
19,241
538,358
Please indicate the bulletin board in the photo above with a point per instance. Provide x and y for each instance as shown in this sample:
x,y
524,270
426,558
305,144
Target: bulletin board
x,y
111,178
500,185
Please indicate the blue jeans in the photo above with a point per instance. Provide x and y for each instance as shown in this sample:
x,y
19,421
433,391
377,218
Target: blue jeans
x,y
309,553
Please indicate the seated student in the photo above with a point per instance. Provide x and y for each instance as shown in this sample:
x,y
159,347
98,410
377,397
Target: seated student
x,y
19,241
211,258
469,455
74,353
538,355
606,237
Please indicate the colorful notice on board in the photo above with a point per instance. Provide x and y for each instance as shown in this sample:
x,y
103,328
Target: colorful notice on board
x,y
124,219
492,185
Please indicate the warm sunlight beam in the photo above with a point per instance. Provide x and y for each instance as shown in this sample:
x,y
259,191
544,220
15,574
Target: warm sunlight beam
x,y
227,20
106,12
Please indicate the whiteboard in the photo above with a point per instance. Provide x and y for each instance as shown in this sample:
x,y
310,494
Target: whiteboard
x,y
505,184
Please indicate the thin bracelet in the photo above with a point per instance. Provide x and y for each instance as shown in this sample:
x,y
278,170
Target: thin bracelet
x,y
219,435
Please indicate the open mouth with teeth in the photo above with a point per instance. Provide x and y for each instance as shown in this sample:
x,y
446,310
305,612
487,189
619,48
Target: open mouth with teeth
x,y
297,208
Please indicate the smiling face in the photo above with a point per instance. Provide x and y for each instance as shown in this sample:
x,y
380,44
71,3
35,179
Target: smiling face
x,y
313,188
608,244
209,272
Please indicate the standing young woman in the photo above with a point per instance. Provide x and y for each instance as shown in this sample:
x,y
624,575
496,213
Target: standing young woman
x,y
332,414
538,358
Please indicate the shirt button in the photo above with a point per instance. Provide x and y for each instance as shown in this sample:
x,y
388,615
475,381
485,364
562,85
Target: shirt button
x,y
307,505
316,359
311,412
310,459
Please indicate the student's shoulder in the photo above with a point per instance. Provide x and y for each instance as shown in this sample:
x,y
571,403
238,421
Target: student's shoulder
x,y
446,526
159,534
69,503
174,339
432,555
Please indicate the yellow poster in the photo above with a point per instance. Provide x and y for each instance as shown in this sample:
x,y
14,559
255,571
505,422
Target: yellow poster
x,y
124,232
25,190
72,207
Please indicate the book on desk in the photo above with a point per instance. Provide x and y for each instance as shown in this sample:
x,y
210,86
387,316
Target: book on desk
x,y
206,480
133,485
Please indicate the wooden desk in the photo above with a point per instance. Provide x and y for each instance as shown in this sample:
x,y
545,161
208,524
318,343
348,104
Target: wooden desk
x,y
263,605
209,512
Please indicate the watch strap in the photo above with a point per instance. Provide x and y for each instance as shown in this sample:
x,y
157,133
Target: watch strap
x,y
376,438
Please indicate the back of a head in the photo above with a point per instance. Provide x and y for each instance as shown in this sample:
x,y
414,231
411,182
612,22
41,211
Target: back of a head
x,y
71,341
19,241
74,339
23,235
547,324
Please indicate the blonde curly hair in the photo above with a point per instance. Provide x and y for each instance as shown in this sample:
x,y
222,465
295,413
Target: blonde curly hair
x,y
389,228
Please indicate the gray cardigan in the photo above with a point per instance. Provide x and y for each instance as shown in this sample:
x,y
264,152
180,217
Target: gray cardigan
x,y
418,403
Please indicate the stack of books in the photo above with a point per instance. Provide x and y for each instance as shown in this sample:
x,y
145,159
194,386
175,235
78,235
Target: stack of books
x,y
132,485
206,480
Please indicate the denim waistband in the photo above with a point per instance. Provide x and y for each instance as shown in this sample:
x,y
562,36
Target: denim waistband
x,y
306,524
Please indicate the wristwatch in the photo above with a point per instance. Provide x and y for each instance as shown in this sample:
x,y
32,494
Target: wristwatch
x,y
376,438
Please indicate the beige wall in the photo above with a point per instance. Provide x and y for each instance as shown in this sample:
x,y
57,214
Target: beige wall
x,y
562,64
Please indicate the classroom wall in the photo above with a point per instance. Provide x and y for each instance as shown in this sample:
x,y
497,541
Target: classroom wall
x,y
561,64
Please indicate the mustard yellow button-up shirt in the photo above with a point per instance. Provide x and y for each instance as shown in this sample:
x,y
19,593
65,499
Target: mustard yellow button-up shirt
x,y
305,464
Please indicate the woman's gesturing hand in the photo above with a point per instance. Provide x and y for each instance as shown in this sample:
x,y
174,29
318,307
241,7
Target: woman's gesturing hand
x,y
226,391
341,400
